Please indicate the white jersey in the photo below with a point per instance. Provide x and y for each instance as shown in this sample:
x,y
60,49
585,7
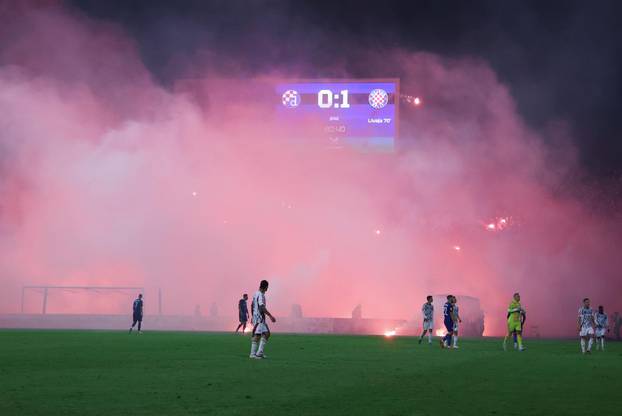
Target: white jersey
x,y
258,300
428,311
602,321
586,317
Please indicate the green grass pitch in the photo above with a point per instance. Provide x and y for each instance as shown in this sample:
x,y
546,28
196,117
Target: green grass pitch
x,y
179,373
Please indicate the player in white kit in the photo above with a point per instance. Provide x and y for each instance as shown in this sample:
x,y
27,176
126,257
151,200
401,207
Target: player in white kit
x,y
602,327
261,331
456,321
586,325
428,319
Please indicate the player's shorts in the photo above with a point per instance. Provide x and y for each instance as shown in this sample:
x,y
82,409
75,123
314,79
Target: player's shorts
x,y
600,332
261,328
428,325
456,326
138,318
586,331
514,326
243,319
449,325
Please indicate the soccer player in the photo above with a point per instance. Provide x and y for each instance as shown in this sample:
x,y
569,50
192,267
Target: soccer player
x,y
523,318
585,326
428,319
456,319
617,323
243,313
448,313
137,313
514,322
261,332
602,327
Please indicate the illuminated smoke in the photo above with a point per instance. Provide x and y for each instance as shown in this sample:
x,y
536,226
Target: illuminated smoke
x,y
390,333
108,178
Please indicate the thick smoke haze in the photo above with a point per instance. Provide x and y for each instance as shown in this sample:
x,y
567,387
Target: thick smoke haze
x,y
108,178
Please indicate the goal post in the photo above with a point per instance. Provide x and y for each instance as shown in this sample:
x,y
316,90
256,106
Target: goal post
x,y
46,289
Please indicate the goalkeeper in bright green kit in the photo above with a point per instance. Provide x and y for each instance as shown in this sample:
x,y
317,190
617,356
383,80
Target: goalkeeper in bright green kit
x,y
514,322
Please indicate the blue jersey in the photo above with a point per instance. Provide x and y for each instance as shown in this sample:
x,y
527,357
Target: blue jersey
x,y
243,310
138,307
448,310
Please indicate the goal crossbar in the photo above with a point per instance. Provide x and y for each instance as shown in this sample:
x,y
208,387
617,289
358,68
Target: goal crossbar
x,y
46,288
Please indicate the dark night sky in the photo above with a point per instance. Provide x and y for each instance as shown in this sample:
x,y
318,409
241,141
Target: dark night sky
x,y
562,60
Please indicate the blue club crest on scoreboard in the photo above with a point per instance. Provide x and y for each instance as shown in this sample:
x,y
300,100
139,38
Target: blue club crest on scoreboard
x,y
352,113
291,99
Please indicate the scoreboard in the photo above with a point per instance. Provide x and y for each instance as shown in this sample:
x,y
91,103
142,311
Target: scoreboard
x,y
351,113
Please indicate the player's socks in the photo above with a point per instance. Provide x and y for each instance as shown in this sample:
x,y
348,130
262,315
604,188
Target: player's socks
x,y
602,343
505,343
447,341
519,339
582,345
253,348
262,345
455,341
429,338
589,344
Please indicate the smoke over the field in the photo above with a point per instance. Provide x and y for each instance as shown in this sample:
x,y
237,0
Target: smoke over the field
x,y
108,178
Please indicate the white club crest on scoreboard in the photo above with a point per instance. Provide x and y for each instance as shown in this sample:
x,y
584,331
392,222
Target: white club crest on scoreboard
x,y
291,98
378,98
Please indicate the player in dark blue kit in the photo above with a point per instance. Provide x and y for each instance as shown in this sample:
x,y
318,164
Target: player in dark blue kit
x,y
448,320
243,313
138,312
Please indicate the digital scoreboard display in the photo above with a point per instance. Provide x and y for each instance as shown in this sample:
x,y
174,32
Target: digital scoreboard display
x,y
360,114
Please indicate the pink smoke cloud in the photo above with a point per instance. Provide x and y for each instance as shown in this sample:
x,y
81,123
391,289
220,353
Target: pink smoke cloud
x,y
109,178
